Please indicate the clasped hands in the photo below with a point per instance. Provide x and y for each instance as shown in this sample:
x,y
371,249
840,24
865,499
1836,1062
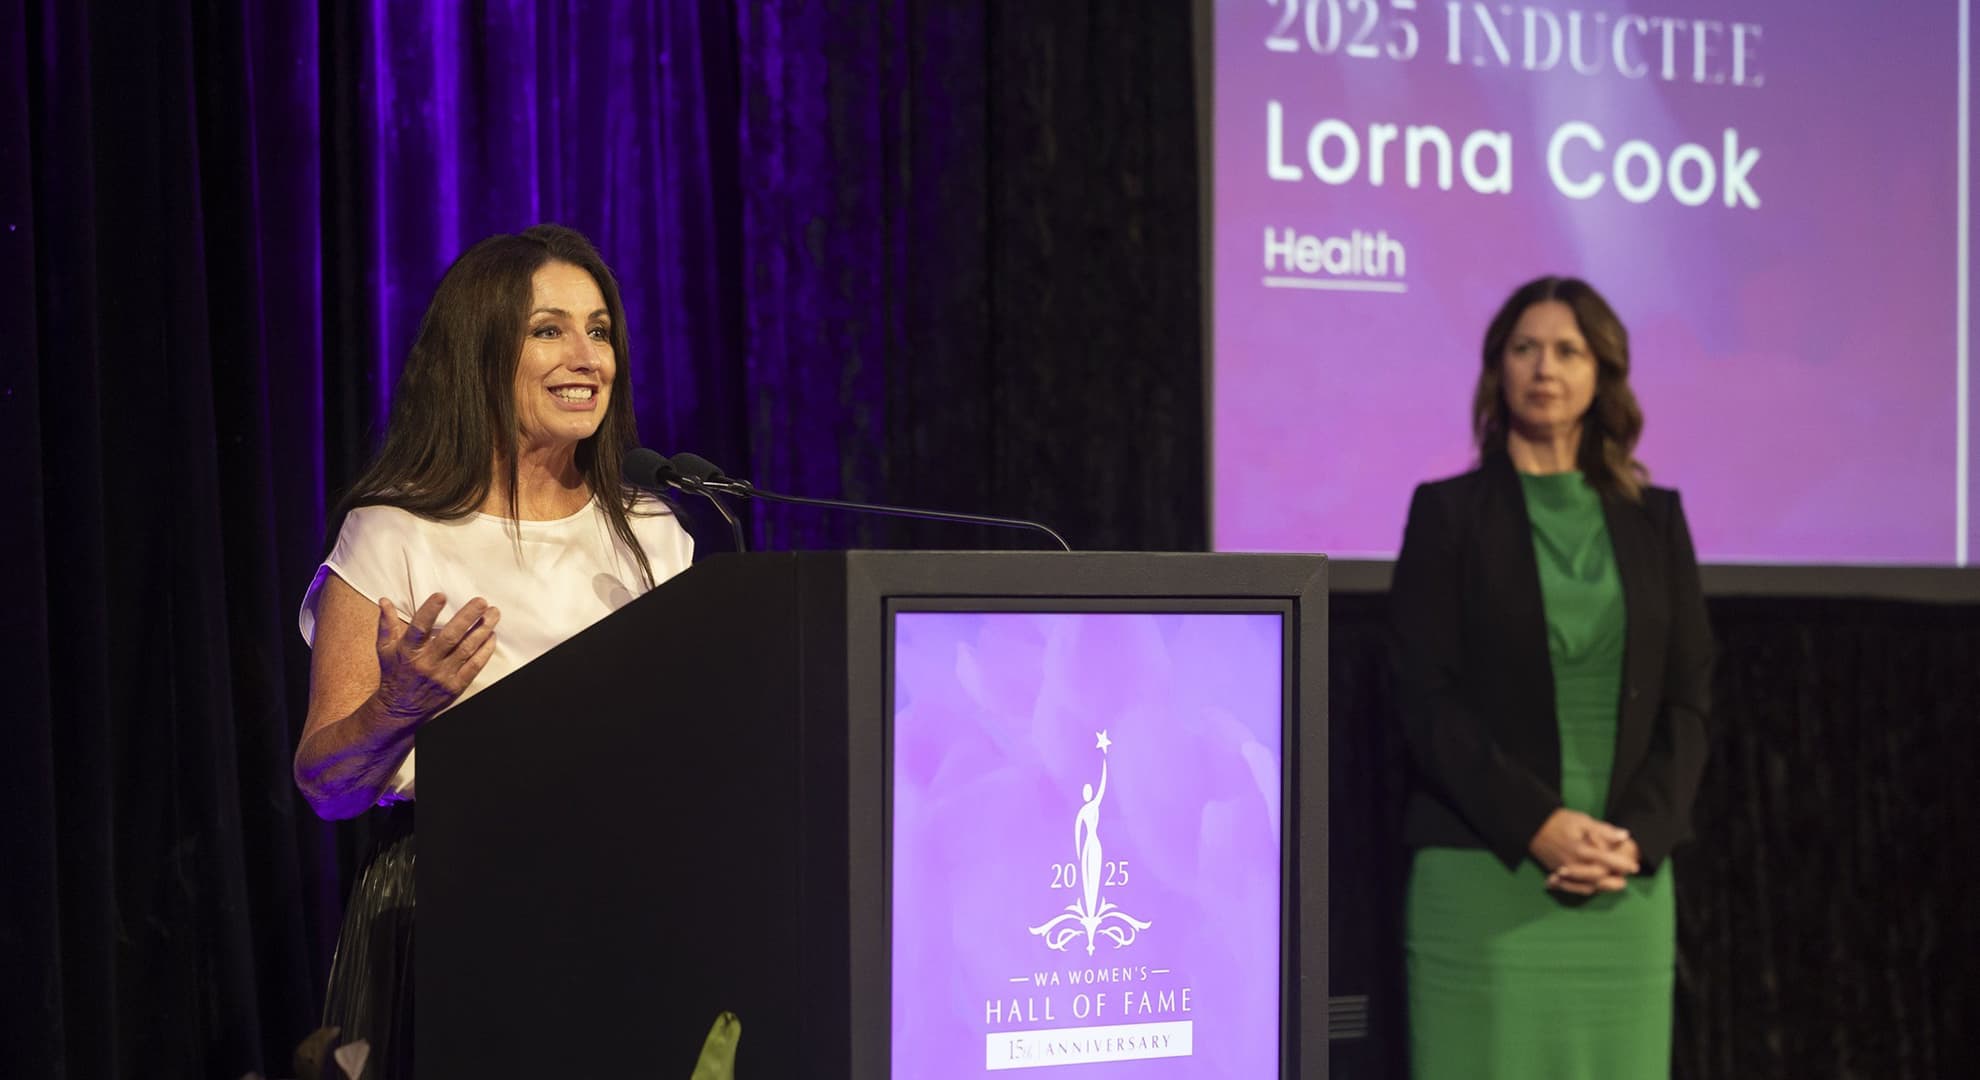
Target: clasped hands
x,y
1584,855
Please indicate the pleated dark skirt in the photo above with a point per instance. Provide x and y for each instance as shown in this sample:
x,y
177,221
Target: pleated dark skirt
x,y
371,977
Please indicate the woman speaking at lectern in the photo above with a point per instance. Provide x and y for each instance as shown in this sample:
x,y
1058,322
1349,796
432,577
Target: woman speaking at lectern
x,y
1554,661
492,526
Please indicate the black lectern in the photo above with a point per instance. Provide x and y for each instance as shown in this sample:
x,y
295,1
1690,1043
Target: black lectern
x,y
689,808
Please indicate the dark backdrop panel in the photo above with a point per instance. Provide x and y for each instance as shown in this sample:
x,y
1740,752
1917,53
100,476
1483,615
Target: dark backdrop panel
x,y
1825,920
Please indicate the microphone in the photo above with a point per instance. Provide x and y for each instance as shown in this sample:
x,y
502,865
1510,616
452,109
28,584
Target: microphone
x,y
648,469
693,472
700,470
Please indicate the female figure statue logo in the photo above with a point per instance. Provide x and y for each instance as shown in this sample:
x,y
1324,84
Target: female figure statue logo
x,y
1086,839
1090,915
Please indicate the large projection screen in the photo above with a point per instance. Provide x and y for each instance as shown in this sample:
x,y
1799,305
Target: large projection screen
x,y
1773,194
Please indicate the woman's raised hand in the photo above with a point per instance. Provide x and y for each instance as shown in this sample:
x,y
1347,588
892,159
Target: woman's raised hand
x,y
1584,855
421,670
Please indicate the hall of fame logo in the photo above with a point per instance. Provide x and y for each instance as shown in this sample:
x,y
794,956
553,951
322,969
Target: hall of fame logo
x,y
1116,1011
1091,916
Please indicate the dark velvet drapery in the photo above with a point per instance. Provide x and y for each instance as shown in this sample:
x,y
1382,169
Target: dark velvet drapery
x,y
887,251
933,253
166,905
937,254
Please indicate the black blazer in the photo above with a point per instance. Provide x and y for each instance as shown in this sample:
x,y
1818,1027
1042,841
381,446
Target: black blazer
x,y
1476,686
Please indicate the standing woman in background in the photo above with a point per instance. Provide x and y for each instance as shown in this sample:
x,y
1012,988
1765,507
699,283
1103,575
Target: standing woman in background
x,y
1554,664
491,527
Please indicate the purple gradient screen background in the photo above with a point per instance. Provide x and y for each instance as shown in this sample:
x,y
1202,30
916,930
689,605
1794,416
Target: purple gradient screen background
x,y
995,716
1797,363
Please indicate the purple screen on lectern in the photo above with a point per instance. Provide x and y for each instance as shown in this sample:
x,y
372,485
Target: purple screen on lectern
x,y
1771,193
1086,843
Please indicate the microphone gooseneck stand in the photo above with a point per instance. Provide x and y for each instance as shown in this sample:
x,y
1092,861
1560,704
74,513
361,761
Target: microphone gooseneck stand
x,y
695,470
744,489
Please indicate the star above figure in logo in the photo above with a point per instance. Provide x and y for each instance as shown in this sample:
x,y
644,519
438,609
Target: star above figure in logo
x,y
1100,740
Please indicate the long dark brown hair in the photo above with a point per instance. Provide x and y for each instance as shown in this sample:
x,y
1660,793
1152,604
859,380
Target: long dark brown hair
x,y
455,407
1614,421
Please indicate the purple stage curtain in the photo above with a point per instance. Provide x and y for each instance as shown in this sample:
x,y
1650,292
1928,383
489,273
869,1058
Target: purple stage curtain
x,y
927,253
446,123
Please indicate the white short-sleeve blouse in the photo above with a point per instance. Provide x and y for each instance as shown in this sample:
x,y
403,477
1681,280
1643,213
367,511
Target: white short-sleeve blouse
x,y
550,579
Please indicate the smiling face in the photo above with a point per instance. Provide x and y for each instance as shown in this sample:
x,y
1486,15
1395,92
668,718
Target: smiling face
x,y
1549,372
564,378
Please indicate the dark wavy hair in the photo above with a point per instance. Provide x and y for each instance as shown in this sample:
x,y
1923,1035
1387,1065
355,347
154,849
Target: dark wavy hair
x,y
1614,421
454,411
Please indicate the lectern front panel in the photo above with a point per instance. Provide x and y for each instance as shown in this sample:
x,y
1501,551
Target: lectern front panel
x,y
1087,858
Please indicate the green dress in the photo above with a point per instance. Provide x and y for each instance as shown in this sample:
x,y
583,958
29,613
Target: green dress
x,y
1505,980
